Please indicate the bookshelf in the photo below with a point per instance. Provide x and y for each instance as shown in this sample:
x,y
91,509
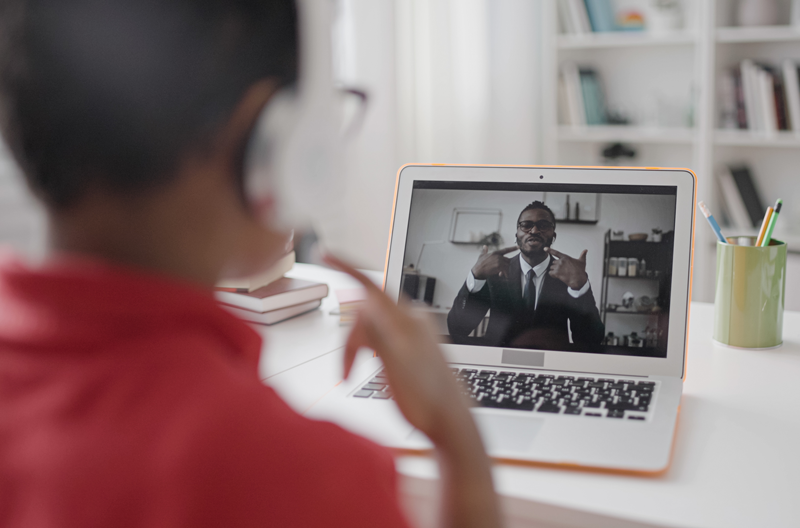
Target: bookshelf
x,y
626,133
648,76
757,34
622,39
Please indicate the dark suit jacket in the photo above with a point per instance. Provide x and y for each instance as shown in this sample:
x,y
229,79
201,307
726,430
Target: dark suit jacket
x,y
512,325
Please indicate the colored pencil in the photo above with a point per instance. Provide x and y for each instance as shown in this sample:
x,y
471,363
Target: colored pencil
x,y
764,224
712,222
772,220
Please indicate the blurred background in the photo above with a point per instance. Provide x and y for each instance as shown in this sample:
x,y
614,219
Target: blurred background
x,y
711,85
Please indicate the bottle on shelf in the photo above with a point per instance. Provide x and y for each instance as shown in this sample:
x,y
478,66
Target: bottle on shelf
x,y
650,337
612,266
633,267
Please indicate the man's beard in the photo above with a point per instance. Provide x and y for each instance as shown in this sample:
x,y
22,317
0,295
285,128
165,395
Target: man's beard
x,y
545,241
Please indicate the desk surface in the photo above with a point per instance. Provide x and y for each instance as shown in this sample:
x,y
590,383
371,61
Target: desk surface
x,y
736,459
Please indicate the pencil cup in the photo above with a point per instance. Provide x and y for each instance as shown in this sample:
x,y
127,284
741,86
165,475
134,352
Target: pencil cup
x,y
751,285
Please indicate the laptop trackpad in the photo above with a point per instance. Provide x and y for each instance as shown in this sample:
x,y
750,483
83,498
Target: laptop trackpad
x,y
507,433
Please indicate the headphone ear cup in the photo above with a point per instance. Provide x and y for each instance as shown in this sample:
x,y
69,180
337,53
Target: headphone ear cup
x,y
268,139
294,177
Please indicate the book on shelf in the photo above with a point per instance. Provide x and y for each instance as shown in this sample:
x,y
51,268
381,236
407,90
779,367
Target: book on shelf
x,y
249,284
273,316
593,100
576,113
760,97
791,88
743,204
580,17
583,99
281,293
601,15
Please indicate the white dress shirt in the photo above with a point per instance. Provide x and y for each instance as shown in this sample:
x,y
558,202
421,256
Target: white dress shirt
x,y
539,271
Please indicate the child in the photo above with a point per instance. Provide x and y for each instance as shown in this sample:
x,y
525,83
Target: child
x,y
128,397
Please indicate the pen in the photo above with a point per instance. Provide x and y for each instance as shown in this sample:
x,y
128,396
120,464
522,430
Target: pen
x,y
771,226
712,222
764,224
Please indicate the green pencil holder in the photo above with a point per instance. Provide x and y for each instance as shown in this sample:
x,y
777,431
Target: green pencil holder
x,y
751,286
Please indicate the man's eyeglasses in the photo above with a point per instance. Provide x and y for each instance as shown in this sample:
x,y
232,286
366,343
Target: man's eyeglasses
x,y
541,225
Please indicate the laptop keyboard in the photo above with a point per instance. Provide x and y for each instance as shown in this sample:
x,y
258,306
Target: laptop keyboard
x,y
544,393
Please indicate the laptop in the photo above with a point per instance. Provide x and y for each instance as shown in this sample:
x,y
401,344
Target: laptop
x,y
562,367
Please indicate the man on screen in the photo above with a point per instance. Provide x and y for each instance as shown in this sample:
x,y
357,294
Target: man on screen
x,y
532,297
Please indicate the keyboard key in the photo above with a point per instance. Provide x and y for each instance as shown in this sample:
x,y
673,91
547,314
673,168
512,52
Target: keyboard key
x,y
572,410
374,386
549,407
592,414
635,417
615,414
363,394
382,396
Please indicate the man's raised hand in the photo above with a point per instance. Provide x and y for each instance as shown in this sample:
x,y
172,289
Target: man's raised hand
x,y
570,271
492,263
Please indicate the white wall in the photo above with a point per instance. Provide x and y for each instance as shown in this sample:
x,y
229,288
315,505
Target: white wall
x,y
431,213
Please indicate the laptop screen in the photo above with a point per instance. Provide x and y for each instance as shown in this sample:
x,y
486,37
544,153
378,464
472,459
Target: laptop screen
x,y
582,268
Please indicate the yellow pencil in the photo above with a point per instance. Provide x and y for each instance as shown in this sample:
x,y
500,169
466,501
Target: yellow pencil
x,y
764,224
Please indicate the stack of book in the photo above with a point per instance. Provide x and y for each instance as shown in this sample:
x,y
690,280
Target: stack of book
x,y
579,17
270,297
582,99
760,97
350,302
742,205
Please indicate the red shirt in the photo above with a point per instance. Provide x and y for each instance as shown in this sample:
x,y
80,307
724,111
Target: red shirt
x,y
128,399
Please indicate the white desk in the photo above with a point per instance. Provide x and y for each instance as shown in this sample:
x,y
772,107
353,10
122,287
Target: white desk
x,y
736,460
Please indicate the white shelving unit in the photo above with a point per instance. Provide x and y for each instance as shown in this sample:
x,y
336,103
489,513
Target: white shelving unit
x,y
757,34
650,77
623,39
626,133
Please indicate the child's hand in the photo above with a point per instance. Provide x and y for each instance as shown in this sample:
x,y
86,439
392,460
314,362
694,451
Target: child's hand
x,y
422,385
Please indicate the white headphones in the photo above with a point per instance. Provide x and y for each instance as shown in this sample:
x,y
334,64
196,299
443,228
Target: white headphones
x,y
293,169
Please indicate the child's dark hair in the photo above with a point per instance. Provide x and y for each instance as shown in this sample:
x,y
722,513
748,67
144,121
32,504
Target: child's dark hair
x,y
111,92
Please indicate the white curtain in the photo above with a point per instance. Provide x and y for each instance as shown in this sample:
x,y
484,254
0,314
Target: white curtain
x,y
467,72
450,81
